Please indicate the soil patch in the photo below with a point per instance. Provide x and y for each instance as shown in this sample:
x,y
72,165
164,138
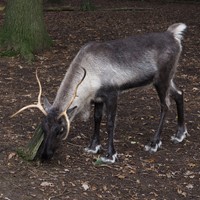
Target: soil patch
x,y
171,173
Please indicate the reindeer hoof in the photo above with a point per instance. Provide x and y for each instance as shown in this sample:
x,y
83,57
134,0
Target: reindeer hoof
x,y
109,160
152,148
94,151
177,139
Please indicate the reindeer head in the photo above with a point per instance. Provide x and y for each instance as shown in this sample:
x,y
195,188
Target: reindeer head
x,y
55,130
55,125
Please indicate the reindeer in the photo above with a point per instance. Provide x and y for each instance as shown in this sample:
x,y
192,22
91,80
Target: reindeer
x,y
102,70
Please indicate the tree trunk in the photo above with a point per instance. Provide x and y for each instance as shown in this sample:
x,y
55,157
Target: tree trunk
x,y
24,29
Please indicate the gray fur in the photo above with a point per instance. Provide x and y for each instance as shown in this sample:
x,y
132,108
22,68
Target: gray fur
x,y
120,64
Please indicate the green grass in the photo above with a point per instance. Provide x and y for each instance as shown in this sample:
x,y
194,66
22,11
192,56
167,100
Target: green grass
x,y
87,6
8,53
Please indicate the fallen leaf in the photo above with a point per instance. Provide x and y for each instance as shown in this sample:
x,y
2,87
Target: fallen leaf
x,y
47,184
189,186
120,176
192,165
181,192
188,173
150,160
105,188
11,155
85,186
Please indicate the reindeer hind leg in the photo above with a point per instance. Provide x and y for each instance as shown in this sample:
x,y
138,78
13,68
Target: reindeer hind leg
x,y
162,90
177,95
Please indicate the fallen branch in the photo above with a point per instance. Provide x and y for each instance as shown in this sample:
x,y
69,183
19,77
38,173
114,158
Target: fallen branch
x,y
69,8
60,8
29,153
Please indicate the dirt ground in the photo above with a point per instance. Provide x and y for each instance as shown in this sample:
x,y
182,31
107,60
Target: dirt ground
x,y
173,173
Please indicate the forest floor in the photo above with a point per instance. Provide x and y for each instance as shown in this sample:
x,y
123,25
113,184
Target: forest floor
x,y
172,173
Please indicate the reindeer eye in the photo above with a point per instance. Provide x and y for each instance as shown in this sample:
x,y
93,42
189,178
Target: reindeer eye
x,y
59,131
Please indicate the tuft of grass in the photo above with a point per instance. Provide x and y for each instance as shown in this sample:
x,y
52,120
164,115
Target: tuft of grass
x,y
98,162
87,5
9,53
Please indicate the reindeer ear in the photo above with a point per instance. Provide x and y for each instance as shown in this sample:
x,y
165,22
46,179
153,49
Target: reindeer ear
x,y
71,111
47,105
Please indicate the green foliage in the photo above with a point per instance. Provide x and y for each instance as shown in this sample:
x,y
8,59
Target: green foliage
x,y
8,53
99,162
87,5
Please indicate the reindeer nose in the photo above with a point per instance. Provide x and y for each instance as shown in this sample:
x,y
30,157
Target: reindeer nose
x,y
47,155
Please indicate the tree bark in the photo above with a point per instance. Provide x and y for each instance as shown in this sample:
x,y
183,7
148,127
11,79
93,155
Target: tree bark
x,y
24,29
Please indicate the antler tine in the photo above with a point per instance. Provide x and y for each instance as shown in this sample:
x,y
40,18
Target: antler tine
x,y
24,108
75,94
68,126
64,113
38,105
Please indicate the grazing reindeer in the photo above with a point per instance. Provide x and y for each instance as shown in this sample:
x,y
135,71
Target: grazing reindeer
x,y
99,72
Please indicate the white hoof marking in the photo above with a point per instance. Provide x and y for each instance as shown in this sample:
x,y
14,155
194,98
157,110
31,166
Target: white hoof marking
x,y
107,160
97,148
153,150
178,140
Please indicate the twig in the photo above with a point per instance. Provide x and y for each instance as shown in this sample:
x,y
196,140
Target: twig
x,y
61,8
127,9
76,145
69,8
58,194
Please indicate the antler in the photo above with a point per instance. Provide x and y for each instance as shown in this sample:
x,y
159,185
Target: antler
x,y
64,113
38,105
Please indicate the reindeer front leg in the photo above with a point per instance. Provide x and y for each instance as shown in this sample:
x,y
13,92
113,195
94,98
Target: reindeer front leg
x,y
111,109
95,146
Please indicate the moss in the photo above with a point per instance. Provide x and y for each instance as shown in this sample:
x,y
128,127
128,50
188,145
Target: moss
x,y
87,5
8,53
24,30
30,152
